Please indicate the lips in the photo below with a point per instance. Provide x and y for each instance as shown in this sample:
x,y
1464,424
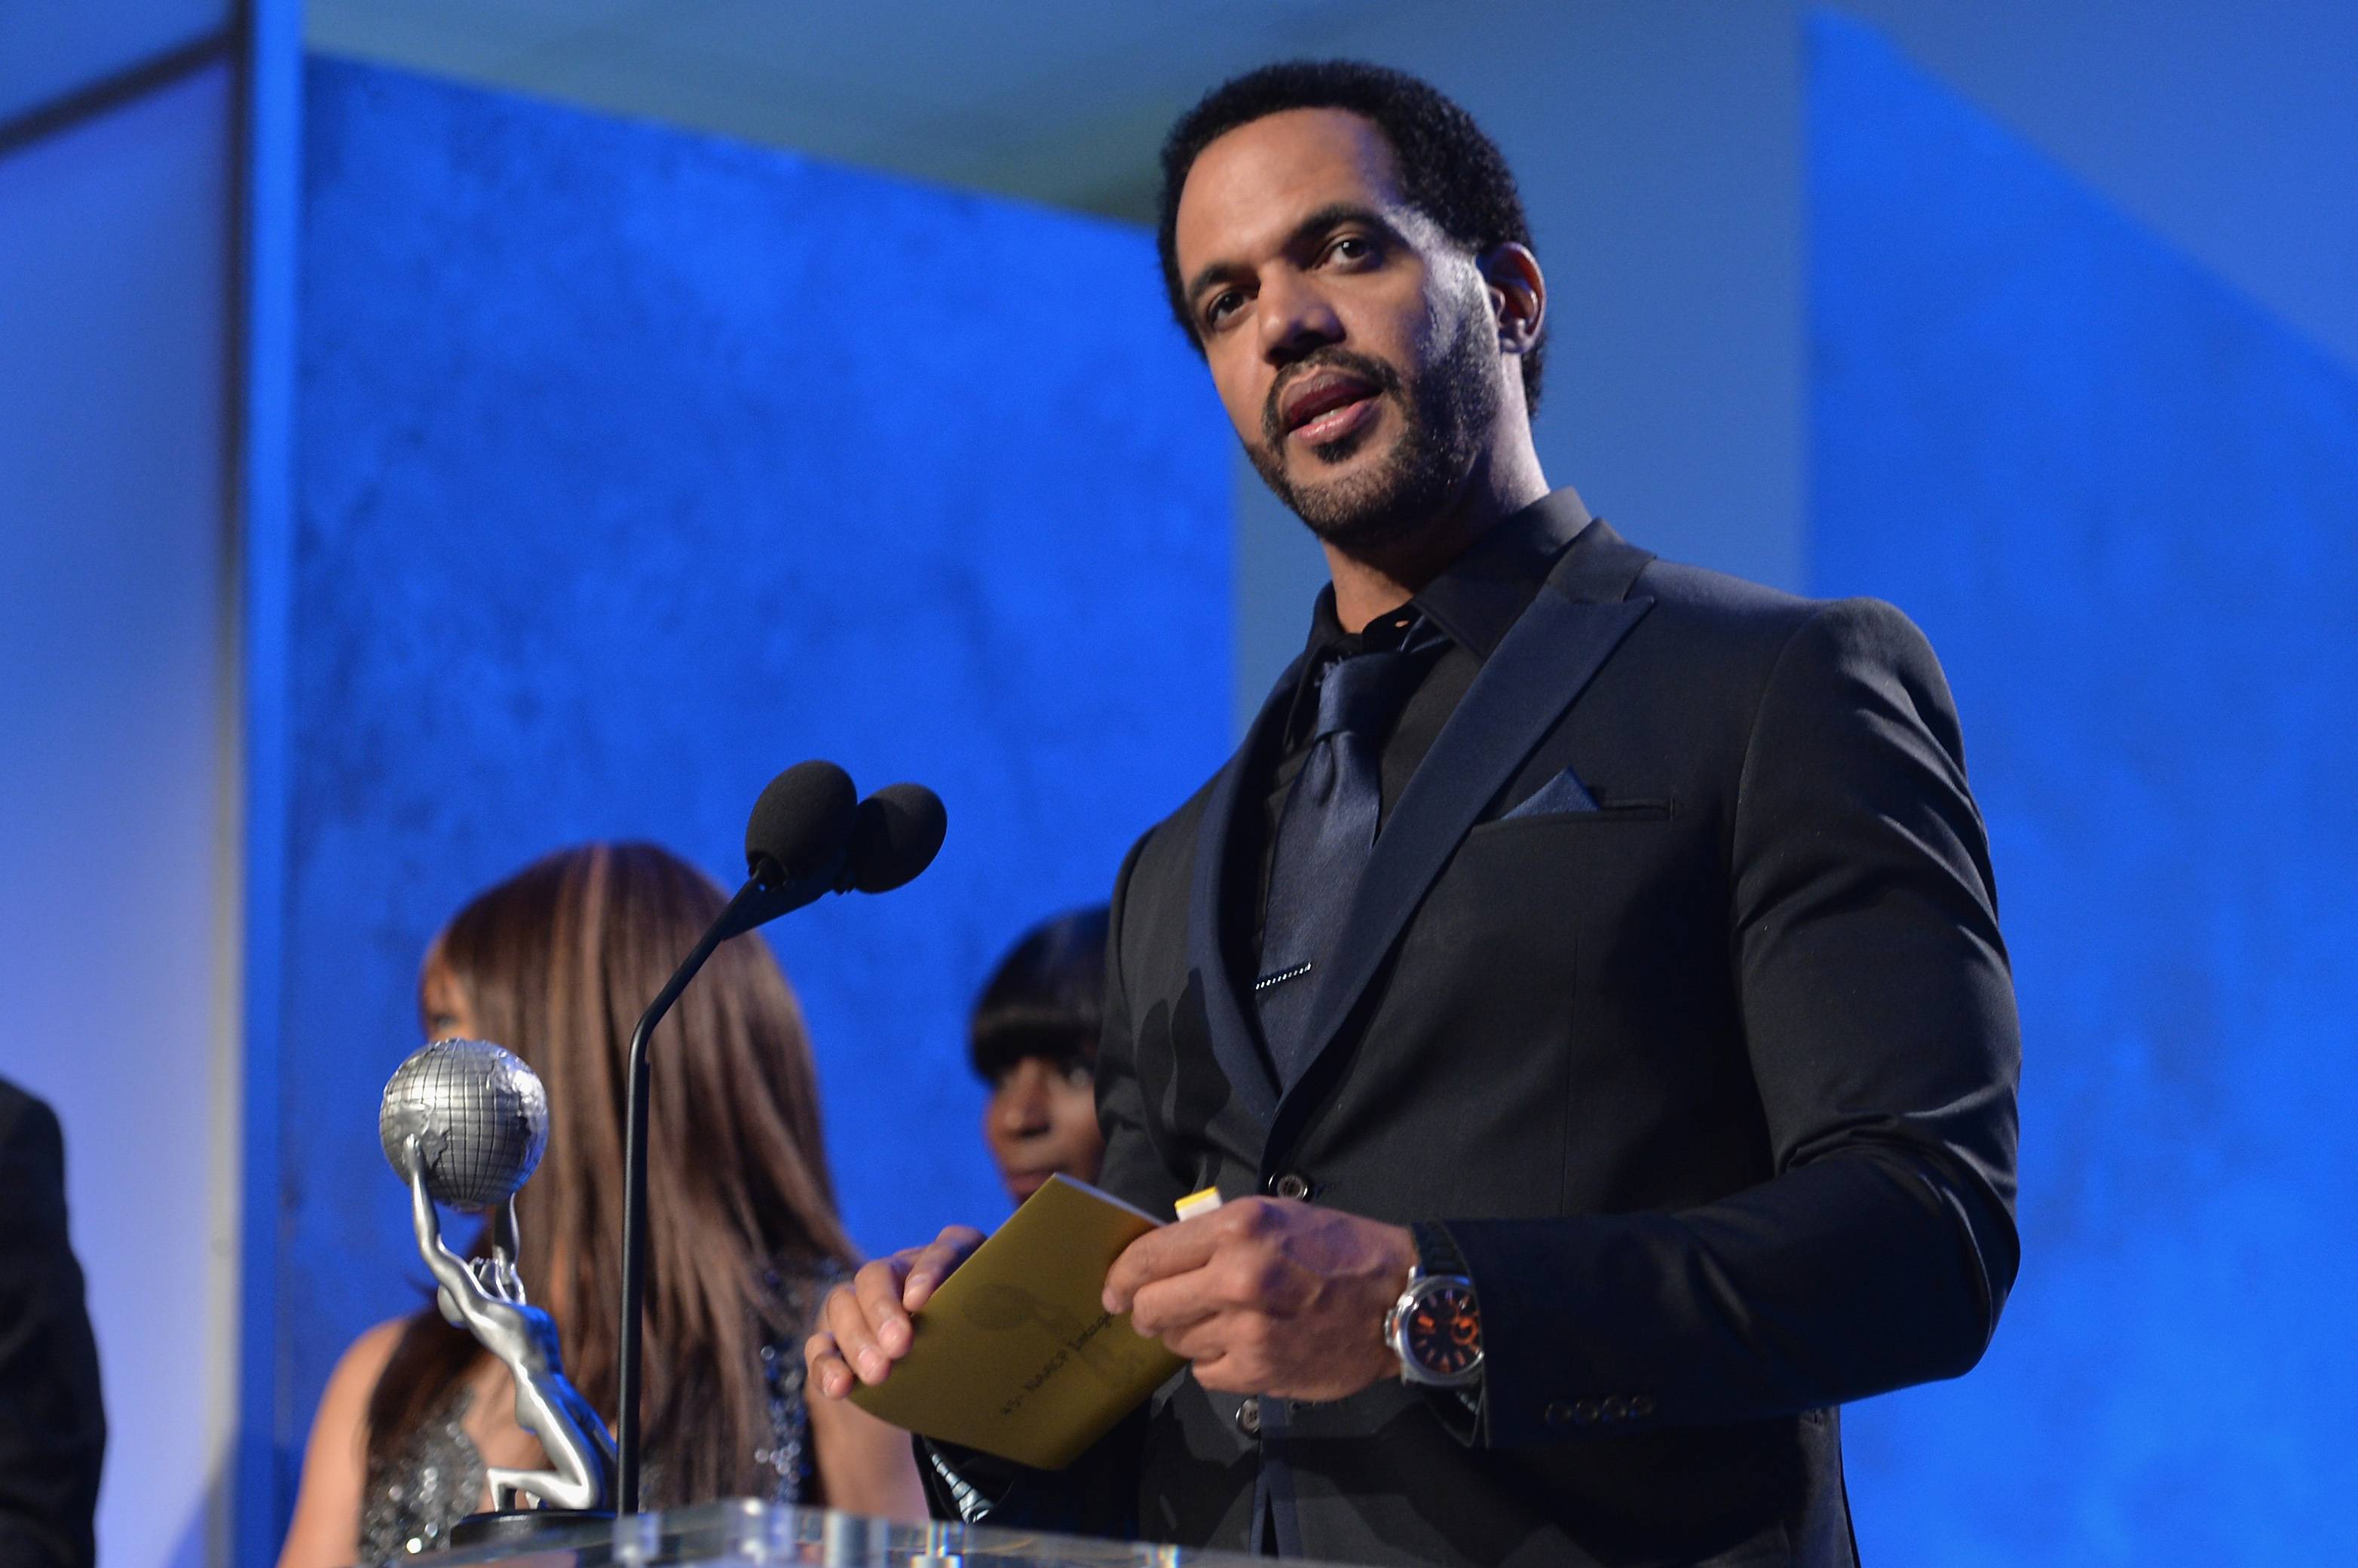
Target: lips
x,y
1319,393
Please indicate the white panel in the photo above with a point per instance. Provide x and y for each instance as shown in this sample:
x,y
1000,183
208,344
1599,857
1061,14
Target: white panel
x,y
115,285
49,48
2228,126
1053,100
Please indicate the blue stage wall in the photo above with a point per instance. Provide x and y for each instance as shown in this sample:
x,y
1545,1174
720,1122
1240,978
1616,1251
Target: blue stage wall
x,y
635,465
2124,502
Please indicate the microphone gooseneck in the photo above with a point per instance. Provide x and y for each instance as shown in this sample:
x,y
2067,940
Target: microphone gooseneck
x,y
809,834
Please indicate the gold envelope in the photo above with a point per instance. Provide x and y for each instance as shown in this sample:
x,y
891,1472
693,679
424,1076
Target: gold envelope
x,y
1013,1355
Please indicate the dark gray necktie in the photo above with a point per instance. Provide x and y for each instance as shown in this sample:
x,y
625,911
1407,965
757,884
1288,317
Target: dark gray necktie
x,y
1324,837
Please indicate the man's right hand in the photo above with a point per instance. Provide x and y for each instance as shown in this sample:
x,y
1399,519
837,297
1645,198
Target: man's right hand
x,y
864,1326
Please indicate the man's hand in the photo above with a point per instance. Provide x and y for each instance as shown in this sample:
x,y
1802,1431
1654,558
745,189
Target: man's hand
x,y
864,1326
1268,1296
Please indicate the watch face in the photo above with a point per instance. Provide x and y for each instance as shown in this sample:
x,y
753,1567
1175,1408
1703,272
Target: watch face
x,y
1443,1332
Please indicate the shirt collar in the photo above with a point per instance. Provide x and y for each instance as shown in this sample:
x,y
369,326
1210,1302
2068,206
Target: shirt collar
x,y
1485,589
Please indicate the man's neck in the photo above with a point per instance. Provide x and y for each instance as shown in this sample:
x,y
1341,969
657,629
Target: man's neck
x,y
1372,583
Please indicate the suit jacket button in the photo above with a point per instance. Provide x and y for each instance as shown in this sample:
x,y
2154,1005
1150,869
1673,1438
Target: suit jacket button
x,y
1584,1412
1614,1407
1292,1185
1249,1418
1641,1404
1558,1413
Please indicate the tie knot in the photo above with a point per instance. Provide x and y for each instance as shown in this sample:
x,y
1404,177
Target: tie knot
x,y
1362,695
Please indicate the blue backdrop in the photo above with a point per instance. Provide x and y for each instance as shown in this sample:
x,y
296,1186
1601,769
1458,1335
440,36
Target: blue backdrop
x,y
2122,500
636,465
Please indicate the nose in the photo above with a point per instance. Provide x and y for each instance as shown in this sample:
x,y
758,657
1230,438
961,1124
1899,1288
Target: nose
x,y
1022,1107
1294,318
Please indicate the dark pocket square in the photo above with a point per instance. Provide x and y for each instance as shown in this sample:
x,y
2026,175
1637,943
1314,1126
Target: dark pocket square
x,y
1564,793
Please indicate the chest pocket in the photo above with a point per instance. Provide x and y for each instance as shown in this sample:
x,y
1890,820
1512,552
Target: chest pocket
x,y
1538,811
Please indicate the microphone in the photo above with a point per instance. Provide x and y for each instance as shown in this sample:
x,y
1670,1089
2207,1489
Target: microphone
x,y
809,834
796,843
805,816
896,835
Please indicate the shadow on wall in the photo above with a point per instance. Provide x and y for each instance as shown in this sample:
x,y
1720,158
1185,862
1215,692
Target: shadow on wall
x,y
2120,498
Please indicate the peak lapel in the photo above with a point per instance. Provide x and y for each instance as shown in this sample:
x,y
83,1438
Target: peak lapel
x,y
1537,671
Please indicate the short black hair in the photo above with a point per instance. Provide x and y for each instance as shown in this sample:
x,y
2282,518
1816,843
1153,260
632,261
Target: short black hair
x,y
1046,998
1449,169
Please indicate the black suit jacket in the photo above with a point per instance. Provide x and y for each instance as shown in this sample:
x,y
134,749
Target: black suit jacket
x,y
1713,1085
52,1430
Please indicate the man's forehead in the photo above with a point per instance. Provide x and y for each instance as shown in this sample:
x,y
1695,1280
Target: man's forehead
x,y
1250,186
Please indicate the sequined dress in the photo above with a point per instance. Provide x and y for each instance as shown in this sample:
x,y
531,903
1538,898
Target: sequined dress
x,y
410,1501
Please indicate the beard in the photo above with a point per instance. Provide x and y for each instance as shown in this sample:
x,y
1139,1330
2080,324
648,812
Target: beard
x,y
1445,420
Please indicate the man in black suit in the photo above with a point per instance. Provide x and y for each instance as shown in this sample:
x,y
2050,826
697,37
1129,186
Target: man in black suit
x,y
1583,983
52,1430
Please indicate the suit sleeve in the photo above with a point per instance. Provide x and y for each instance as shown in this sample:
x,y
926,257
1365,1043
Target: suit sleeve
x,y
1097,1494
52,1428
1134,1169
1879,1017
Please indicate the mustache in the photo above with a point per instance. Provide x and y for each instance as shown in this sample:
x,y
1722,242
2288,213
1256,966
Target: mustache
x,y
1374,372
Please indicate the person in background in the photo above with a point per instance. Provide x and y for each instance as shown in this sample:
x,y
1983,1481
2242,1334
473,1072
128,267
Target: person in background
x,y
1033,1040
52,1425
555,964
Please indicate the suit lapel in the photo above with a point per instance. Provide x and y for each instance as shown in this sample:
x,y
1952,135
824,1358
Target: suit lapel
x,y
1235,1042
1537,672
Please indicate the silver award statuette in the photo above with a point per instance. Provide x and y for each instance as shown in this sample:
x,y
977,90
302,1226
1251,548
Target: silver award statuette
x,y
464,1122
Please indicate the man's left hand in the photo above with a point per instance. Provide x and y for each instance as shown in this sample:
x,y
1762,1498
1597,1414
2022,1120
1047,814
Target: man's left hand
x,y
1269,1296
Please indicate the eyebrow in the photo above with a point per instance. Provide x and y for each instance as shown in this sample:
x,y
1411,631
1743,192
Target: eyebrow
x,y
1334,215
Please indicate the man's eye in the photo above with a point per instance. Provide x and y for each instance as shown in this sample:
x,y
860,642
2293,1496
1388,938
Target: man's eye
x,y
1351,247
1221,306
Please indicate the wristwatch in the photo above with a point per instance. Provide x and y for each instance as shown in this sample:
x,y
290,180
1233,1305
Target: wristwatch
x,y
1435,1326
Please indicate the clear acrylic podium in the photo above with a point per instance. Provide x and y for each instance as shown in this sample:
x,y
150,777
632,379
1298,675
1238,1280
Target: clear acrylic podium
x,y
740,1533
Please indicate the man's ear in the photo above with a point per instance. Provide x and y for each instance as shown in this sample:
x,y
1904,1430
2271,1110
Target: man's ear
x,y
1517,295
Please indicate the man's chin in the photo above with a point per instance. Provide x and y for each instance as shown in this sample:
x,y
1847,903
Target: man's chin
x,y
1356,508
1328,475
1336,484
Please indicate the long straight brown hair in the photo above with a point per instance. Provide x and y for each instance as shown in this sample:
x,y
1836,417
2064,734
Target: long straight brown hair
x,y
556,963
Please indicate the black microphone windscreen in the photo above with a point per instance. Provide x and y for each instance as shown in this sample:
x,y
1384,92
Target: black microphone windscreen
x,y
802,820
898,833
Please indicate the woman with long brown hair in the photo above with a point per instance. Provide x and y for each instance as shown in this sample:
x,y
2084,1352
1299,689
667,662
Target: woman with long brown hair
x,y
555,964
